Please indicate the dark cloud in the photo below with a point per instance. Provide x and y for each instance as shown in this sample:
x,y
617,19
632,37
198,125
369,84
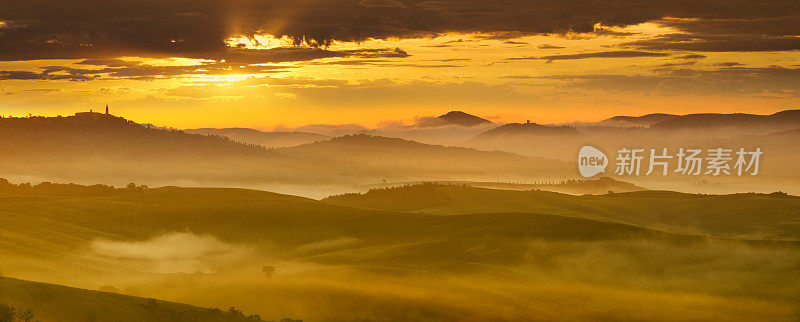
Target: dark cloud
x,y
612,33
691,56
109,62
517,77
782,25
773,80
377,53
293,54
728,64
679,63
602,54
717,43
546,46
381,4
292,81
386,63
28,75
233,61
135,71
449,59
42,29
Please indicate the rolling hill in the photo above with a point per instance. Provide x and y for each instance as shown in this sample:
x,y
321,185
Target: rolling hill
x,y
265,139
598,186
547,141
50,302
420,161
86,134
526,129
632,121
780,121
452,118
726,216
469,254
100,148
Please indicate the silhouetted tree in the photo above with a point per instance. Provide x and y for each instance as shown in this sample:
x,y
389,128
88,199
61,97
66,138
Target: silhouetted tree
x,y
7,313
11,314
268,270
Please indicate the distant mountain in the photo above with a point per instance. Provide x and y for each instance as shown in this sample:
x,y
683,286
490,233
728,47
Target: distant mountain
x,y
265,139
417,160
452,118
528,129
548,141
52,302
331,130
87,134
781,121
705,124
93,147
644,120
599,186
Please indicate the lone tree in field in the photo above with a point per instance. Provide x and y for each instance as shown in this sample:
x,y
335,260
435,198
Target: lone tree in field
x,y
268,271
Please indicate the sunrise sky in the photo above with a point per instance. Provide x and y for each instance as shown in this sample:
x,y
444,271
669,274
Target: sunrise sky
x,y
267,64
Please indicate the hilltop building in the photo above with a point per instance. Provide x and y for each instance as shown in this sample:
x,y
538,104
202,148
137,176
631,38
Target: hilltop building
x,y
92,113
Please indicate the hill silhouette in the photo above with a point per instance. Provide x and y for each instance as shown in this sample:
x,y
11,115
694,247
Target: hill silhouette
x,y
597,186
51,302
461,253
729,216
527,129
265,139
452,118
602,185
548,141
93,147
644,120
424,161
94,133
739,122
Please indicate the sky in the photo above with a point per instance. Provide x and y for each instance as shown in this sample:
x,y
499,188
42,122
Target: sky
x,y
278,64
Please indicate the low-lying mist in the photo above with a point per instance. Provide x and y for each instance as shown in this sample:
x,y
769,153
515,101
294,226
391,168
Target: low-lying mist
x,y
173,252
575,280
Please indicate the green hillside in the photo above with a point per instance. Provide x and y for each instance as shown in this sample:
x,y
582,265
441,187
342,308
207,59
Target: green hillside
x,y
50,302
461,254
741,216
40,224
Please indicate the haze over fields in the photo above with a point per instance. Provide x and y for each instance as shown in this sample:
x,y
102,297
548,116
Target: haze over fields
x,y
99,148
420,252
399,160
492,228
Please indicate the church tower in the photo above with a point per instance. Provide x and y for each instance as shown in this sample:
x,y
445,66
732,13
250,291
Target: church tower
x,y
106,109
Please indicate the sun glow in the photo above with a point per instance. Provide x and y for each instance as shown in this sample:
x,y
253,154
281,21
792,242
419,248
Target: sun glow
x,y
163,62
259,42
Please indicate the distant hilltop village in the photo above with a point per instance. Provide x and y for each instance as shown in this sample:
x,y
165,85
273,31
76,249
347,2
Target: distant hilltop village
x,y
91,112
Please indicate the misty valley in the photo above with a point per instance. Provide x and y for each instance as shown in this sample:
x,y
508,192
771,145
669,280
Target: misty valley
x,y
399,160
138,223
527,255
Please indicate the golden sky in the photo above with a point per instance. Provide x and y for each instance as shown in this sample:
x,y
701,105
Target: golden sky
x,y
255,72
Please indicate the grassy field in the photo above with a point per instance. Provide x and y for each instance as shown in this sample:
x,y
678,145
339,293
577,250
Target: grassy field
x,y
61,303
735,216
425,252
